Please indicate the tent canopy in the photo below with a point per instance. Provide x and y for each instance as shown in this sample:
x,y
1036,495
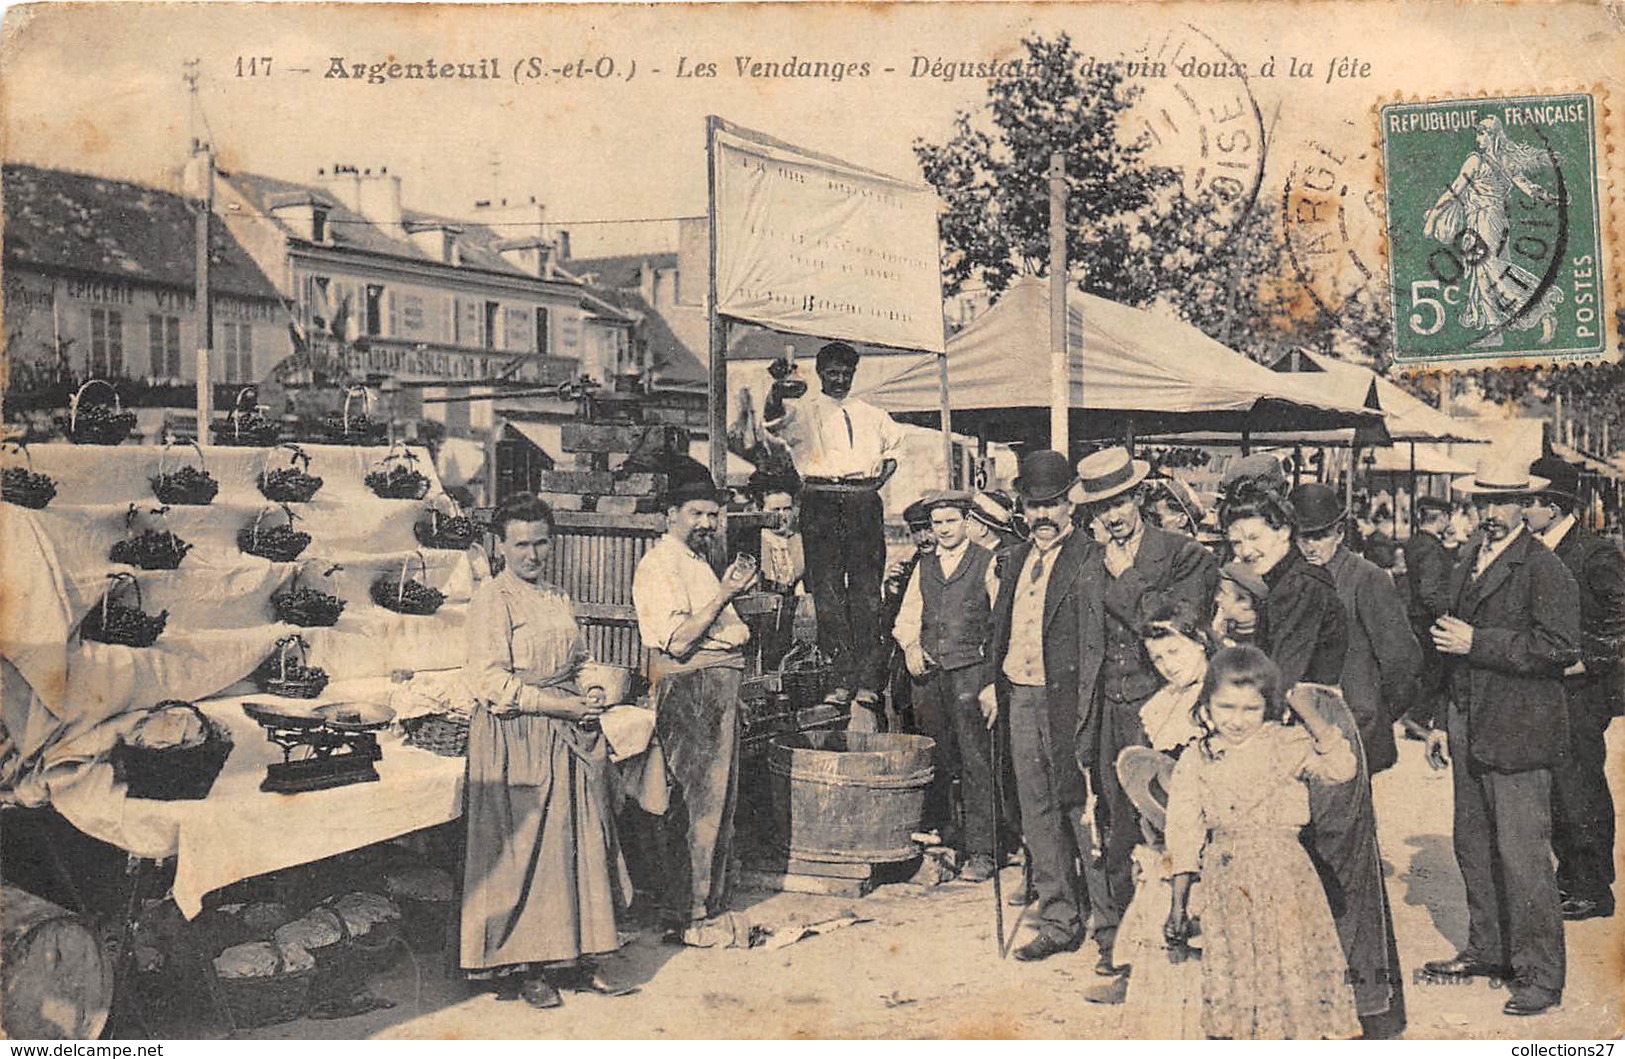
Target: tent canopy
x,y
1132,370
1407,418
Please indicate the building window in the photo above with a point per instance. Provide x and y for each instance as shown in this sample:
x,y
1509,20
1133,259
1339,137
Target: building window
x,y
493,316
164,346
542,343
318,225
375,307
106,342
239,350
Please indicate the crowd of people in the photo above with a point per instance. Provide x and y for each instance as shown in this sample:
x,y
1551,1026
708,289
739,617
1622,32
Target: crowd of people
x,y
1189,727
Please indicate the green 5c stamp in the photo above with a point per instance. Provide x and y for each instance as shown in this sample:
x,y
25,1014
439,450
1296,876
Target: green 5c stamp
x,y
1494,232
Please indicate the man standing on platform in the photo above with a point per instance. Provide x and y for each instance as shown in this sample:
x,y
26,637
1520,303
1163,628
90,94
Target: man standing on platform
x,y
1383,660
695,642
844,450
1582,808
1032,673
1513,628
942,627
1139,569
1427,579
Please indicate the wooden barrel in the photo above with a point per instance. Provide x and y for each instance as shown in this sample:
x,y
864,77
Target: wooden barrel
x,y
849,797
56,981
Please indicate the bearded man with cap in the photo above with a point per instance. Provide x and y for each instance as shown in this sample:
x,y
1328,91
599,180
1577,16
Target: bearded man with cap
x,y
1139,569
1513,628
942,627
1031,674
696,661
1383,661
1582,808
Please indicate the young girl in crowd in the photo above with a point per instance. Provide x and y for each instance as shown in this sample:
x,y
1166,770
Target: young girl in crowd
x,y
1272,967
1236,605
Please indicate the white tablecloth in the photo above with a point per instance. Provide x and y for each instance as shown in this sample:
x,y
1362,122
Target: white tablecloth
x,y
240,831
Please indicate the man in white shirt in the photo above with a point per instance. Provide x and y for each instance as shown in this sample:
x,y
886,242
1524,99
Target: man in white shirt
x,y
942,626
843,449
695,641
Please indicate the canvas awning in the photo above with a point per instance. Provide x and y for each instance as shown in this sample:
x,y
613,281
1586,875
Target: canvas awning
x,y
1132,370
1407,418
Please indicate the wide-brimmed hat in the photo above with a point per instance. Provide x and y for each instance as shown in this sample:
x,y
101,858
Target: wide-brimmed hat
x,y
1045,475
689,479
1262,469
1501,473
1563,478
1108,473
1316,507
1144,775
993,510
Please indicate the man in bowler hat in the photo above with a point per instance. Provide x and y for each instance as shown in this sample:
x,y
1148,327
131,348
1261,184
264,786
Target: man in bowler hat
x,y
1514,627
1031,673
1582,808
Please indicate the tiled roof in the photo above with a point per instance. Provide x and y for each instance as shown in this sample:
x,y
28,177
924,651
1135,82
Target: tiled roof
x,y
620,272
668,354
61,220
477,243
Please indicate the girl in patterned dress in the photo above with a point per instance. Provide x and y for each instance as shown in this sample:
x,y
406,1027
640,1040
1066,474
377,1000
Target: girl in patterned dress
x,y
1272,967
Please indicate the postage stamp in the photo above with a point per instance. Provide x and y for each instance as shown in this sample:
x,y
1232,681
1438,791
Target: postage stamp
x,y
1494,228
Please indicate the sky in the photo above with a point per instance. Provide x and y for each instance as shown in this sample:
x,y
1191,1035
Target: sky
x,y
99,87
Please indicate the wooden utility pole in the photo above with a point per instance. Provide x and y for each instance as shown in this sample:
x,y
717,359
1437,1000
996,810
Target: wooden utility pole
x,y
1060,365
201,167
716,402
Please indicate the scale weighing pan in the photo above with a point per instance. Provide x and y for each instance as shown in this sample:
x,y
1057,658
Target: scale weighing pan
x,y
283,715
354,716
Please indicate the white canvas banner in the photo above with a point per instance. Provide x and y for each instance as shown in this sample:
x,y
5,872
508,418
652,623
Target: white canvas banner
x,y
812,245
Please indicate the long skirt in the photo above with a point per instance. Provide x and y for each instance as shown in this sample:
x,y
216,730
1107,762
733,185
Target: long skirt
x,y
1272,968
543,874
1164,1000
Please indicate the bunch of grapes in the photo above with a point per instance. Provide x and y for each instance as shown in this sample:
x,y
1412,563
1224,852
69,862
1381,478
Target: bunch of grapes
x,y
307,607
23,487
447,532
150,550
400,482
189,485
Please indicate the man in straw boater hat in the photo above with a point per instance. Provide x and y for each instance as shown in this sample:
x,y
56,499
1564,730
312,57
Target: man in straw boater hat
x,y
1514,627
696,661
1582,808
1031,674
942,627
1138,569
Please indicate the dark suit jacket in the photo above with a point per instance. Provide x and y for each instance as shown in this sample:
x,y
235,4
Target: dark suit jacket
x,y
1599,569
1061,612
1525,614
1168,567
1427,575
1383,660
1302,626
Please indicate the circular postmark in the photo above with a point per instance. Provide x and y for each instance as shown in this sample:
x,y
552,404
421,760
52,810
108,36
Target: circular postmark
x,y
1196,114
1331,226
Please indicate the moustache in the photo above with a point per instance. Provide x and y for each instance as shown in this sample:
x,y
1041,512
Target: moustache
x,y
1041,522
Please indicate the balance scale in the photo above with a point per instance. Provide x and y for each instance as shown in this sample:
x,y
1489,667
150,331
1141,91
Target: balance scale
x,y
322,747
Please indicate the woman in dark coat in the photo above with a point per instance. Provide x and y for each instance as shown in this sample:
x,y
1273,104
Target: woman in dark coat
x,y
1303,628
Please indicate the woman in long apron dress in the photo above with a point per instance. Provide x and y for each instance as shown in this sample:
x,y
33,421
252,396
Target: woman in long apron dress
x,y
543,874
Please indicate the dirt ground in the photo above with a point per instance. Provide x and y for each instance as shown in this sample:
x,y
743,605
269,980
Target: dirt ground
x,y
926,966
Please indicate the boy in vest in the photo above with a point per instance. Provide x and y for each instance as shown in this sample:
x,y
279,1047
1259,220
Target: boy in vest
x,y
942,627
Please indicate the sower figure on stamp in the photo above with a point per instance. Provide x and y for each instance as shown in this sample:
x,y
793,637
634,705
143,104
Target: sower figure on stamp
x,y
1032,675
695,641
942,627
1139,569
1514,628
843,448
1582,807
1427,579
